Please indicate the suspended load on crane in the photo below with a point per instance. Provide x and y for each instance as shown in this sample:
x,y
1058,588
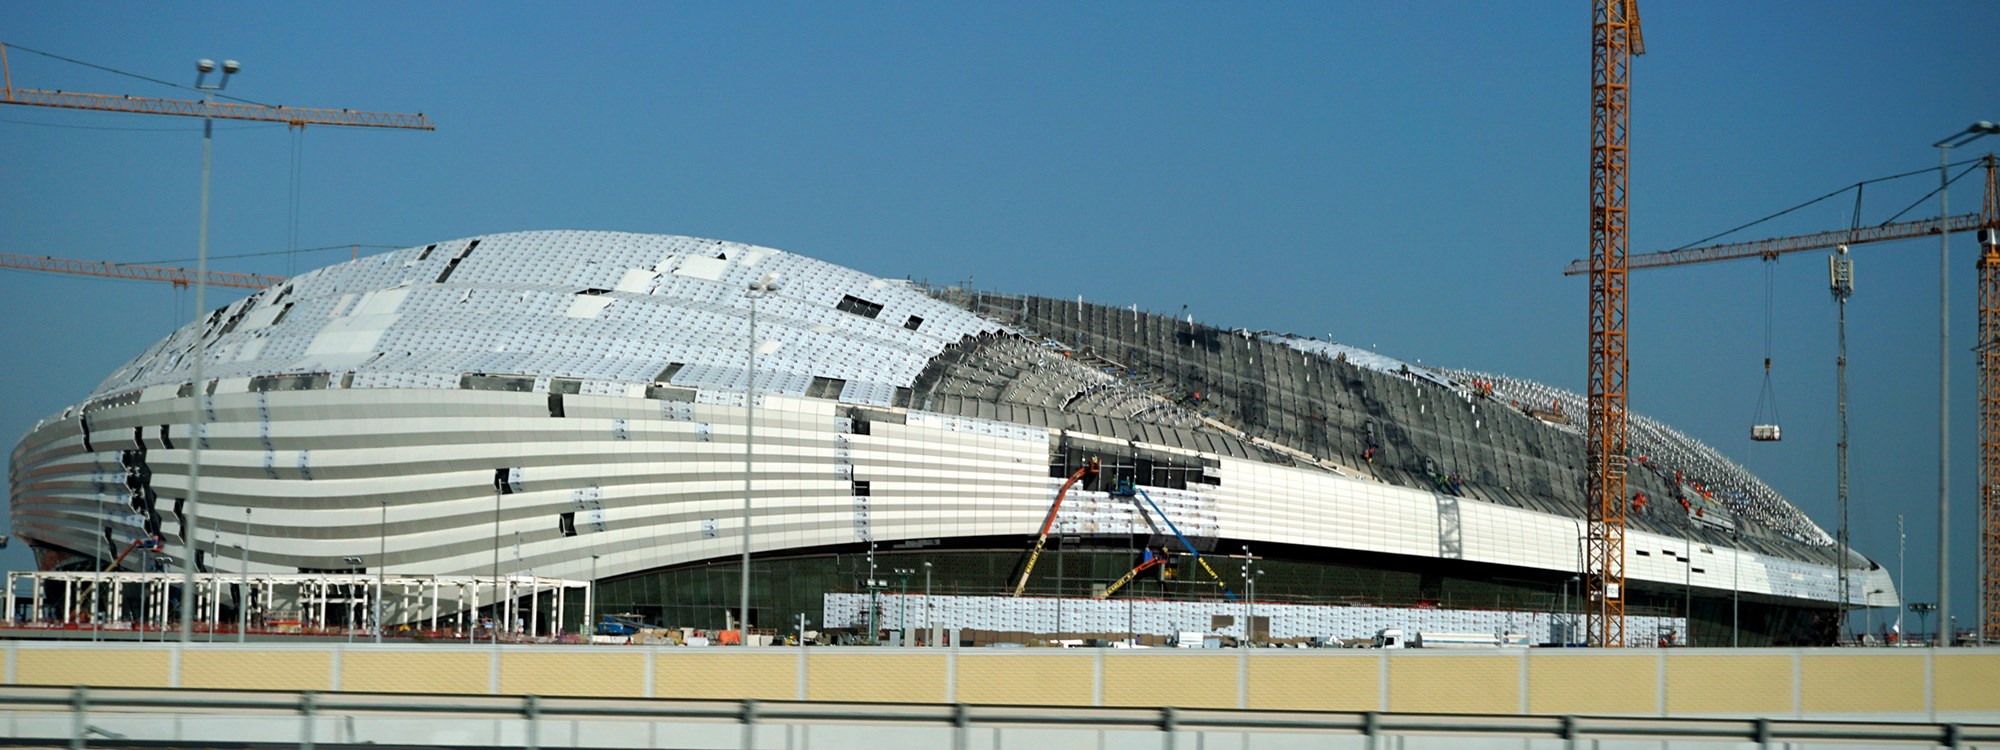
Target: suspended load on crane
x,y
1765,428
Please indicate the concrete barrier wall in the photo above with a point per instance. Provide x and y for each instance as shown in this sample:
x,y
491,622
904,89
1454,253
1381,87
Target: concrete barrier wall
x,y
1906,684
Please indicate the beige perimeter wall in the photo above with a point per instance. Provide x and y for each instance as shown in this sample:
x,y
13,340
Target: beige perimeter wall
x,y
1905,683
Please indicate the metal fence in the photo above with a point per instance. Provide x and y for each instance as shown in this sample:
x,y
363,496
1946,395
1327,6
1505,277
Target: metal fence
x,y
34,714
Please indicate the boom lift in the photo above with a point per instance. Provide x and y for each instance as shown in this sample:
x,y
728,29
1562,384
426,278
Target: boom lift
x,y
147,542
1128,488
1151,560
1089,468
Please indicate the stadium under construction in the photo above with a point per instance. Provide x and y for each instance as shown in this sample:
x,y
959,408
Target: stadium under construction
x,y
571,406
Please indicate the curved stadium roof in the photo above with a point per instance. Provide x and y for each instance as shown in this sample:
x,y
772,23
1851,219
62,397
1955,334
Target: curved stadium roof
x,y
615,314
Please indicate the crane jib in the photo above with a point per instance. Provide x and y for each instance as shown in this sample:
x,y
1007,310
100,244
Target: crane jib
x,y
1781,245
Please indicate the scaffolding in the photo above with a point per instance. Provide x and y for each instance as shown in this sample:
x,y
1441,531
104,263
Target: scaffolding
x,y
295,603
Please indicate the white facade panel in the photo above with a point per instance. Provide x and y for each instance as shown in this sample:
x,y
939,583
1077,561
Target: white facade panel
x,y
574,333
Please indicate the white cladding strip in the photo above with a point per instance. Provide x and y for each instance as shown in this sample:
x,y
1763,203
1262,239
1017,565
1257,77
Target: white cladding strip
x,y
1301,506
668,496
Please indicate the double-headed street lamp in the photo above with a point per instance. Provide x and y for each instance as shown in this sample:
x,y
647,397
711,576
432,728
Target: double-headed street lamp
x,y
1971,133
766,284
200,391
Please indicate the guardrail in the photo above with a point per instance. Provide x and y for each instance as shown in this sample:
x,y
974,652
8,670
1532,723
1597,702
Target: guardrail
x,y
961,719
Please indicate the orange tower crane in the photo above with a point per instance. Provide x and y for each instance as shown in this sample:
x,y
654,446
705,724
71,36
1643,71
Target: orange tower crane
x,y
1987,224
1615,38
179,277
1989,407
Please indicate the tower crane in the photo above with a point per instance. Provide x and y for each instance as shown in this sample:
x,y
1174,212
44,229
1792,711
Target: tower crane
x,y
209,110
1776,246
297,117
292,116
1615,38
179,277
1989,407
1987,225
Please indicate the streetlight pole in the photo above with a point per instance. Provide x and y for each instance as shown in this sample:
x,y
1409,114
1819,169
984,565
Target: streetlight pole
x,y
381,561
494,632
200,390
243,596
1735,598
903,606
1564,620
1687,590
764,285
1901,578
874,627
96,585
353,563
215,581
1969,134
1249,599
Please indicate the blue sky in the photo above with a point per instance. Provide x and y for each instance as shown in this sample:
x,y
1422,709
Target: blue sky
x,y
1407,177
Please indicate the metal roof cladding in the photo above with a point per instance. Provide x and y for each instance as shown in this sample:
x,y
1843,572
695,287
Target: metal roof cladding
x,y
608,308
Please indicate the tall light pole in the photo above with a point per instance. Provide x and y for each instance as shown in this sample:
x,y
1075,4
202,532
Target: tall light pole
x,y
1901,589
1249,599
381,561
200,390
353,563
243,596
214,581
765,284
1687,588
903,607
874,586
1569,616
96,585
1969,134
494,632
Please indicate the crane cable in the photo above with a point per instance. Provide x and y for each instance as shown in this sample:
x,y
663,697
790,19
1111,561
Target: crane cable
x,y
1855,187
292,207
128,74
1769,397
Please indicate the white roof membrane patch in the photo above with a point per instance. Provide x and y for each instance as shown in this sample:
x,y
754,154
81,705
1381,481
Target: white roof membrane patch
x,y
606,307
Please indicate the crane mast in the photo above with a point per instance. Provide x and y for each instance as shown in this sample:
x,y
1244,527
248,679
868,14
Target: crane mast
x,y
1989,407
1615,38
